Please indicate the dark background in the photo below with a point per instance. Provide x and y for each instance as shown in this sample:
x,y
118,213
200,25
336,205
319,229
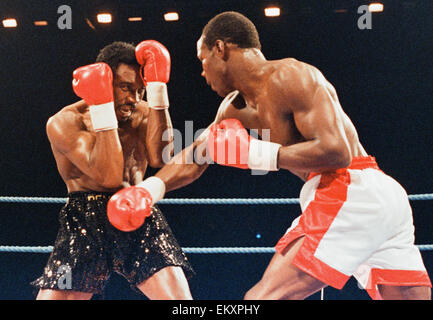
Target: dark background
x,y
383,78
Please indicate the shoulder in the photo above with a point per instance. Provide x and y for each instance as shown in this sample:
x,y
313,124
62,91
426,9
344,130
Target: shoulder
x,y
290,74
64,124
68,116
294,80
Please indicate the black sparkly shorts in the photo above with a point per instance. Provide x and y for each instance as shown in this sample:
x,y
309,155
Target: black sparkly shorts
x,y
88,248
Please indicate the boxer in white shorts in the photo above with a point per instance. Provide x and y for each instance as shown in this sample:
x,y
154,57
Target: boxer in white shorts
x,y
353,213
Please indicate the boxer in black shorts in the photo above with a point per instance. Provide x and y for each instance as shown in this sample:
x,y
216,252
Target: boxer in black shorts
x,y
89,248
101,144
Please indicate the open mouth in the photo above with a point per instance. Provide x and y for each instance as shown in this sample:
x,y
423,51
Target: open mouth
x,y
126,110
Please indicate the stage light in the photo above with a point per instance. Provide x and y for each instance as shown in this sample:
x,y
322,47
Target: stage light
x,y
104,18
171,16
135,19
40,23
10,23
272,12
375,7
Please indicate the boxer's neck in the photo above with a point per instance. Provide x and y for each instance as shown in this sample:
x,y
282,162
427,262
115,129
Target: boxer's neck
x,y
247,69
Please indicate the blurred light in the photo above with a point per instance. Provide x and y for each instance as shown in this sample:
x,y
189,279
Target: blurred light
x,y
272,12
258,235
340,10
171,16
135,18
9,23
40,23
104,18
375,7
90,24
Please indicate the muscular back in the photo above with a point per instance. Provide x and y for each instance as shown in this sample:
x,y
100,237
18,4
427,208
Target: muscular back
x,y
300,108
73,140
309,94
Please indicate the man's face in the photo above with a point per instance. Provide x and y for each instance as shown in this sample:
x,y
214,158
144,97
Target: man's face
x,y
128,90
214,68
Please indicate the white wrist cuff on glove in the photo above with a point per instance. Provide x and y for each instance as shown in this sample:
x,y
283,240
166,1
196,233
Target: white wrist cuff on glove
x,y
103,117
157,95
263,155
155,186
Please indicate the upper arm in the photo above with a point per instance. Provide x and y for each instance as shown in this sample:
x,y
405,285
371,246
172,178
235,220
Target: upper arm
x,y
315,106
67,138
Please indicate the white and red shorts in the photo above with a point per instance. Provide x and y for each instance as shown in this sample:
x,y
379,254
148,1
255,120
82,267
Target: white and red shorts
x,y
356,221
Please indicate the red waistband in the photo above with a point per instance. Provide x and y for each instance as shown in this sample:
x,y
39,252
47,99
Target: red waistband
x,y
358,163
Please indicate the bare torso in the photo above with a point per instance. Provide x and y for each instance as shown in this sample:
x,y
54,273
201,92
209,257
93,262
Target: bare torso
x,y
131,137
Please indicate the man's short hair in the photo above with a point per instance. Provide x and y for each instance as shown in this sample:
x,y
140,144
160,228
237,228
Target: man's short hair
x,y
231,27
117,52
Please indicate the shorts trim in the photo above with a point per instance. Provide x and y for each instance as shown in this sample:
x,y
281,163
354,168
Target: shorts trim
x,y
315,221
307,262
395,278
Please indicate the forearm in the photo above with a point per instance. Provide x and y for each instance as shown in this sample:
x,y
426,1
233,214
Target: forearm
x,y
188,165
183,168
106,159
176,176
313,156
159,137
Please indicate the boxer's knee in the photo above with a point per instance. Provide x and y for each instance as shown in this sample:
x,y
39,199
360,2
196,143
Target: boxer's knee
x,y
255,293
297,287
264,290
49,294
168,283
389,292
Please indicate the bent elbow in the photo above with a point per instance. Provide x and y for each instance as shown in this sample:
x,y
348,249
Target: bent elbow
x,y
156,163
339,156
159,159
345,159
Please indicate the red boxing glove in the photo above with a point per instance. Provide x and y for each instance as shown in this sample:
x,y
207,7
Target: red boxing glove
x,y
230,144
129,207
154,59
155,63
94,83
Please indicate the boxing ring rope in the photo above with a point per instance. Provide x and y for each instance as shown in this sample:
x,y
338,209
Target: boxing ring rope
x,y
195,201
187,201
180,201
201,250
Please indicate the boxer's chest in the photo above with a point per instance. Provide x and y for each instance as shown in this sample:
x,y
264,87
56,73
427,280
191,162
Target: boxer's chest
x,y
135,160
277,126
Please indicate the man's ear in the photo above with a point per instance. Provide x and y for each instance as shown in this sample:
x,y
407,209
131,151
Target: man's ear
x,y
221,49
